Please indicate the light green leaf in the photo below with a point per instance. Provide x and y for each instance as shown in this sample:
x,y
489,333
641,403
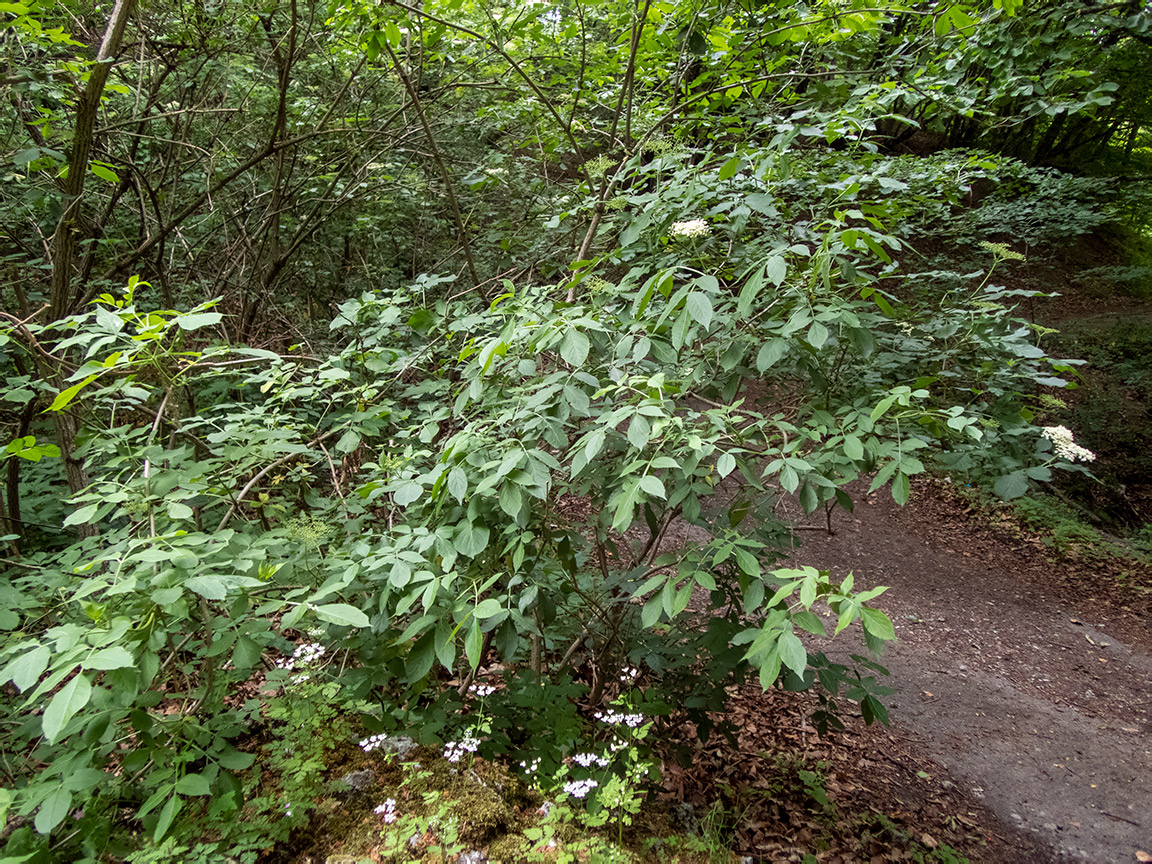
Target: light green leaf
x,y
639,431
208,587
53,810
83,515
407,492
792,653
115,657
471,539
511,499
473,644
193,784
700,308
770,352
167,814
178,510
725,464
817,335
486,608
348,442
877,623
853,447
457,484
341,614
196,320
26,669
776,269
652,486
574,348
64,706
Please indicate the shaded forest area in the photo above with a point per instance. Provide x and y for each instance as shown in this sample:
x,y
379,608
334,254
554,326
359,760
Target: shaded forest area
x,y
461,378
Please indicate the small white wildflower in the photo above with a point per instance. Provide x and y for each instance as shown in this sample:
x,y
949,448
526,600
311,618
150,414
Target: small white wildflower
x,y
587,760
287,809
629,674
372,742
691,228
613,718
301,678
531,767
481,690
1064,446
387,810
580,788
455,750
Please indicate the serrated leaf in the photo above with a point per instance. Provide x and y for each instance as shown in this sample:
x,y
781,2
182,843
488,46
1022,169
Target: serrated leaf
x,y
208,587
877,623
115,657
83,515
1012,485
64,705
725,464
179,510
853,447
652,486
700,308
574,348
473,644
193,784
167,815
26,669
457,484
53,810
639,431
770,352
792,653
341,614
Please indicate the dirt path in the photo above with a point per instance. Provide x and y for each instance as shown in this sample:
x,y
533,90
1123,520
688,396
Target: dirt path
x,y
1042,711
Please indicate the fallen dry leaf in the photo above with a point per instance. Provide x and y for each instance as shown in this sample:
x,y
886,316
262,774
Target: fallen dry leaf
x,y
1143,856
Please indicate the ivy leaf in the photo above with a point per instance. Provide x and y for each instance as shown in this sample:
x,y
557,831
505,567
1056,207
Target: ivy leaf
x,y
64,706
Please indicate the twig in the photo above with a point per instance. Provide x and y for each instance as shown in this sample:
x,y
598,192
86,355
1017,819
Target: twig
x,y
1121,818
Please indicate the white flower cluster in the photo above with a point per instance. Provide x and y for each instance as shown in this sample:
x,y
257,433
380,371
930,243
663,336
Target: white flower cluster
x,y
481,690
587,760
301,678
387,810
455,750
629,674
531,767
691,228
304,655
1065,447
372,742
613,718
580,788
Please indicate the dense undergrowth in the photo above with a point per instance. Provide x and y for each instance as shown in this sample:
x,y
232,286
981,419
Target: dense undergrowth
x,y
367,379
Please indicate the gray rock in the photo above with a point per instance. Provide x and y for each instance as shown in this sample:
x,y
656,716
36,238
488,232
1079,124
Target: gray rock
x,y
359,781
